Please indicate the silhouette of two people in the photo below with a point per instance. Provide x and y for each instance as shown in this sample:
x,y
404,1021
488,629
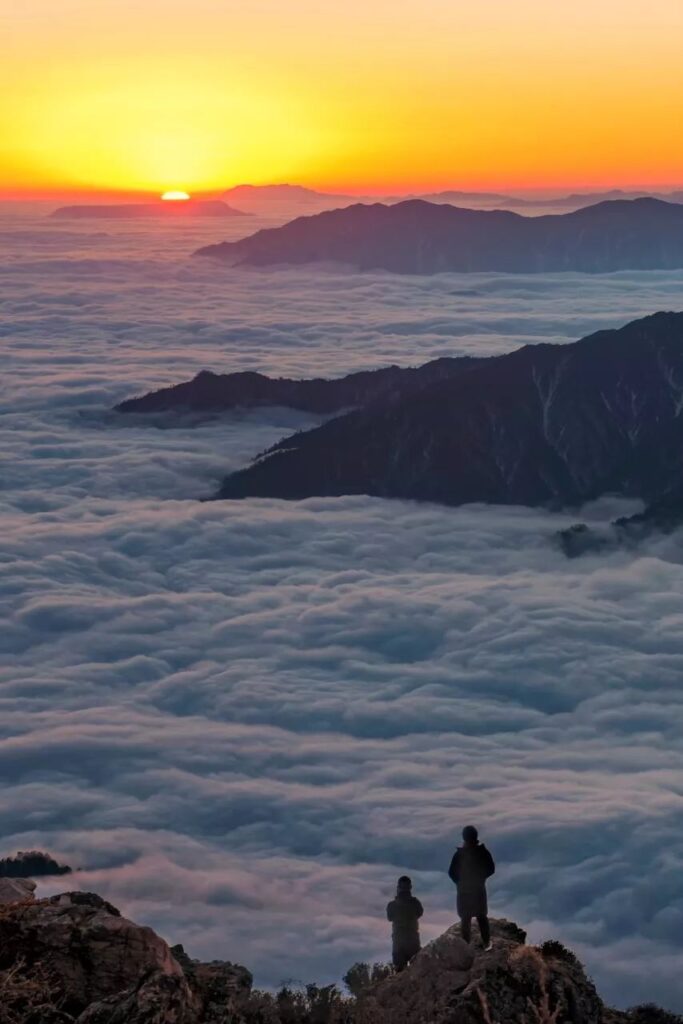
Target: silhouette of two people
x,y
470,867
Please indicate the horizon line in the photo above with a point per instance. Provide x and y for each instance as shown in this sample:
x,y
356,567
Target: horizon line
x,y
529,192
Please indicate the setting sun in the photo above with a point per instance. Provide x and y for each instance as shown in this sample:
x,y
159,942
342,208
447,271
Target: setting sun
x,y
175,197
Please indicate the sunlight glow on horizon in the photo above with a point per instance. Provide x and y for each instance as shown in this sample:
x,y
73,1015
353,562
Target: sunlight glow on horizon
x,y
389,96
175,197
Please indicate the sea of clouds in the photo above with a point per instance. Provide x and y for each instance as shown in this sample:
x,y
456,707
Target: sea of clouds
x,y
243,720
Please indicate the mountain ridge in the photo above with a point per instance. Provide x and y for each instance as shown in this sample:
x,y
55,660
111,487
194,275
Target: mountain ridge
x,y
418,237
211,392
553,425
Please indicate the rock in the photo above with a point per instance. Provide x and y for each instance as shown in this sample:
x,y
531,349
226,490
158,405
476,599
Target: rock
x,y
82,943
158,998
449,982
434,978
219,985
73,959
13,890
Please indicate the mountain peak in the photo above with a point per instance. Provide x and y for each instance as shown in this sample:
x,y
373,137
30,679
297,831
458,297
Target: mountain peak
x,y
420,237
554,425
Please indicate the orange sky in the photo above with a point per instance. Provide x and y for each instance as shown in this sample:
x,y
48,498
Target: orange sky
x,y
377,95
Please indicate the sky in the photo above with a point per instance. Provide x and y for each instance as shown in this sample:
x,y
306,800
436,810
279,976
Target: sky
x,y
118,96
242,721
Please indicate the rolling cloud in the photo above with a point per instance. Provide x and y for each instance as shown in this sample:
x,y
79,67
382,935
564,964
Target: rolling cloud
x,y
243,721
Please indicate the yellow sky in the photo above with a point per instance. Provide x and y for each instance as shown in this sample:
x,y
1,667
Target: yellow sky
x,y
360,94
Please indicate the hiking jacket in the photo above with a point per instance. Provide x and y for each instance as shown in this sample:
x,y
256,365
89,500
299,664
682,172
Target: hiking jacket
x,y
404,912
470,867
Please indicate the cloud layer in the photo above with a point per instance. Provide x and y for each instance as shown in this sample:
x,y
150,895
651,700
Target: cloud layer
x,y
245,720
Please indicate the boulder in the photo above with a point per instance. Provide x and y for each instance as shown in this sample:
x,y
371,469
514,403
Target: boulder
x,y
158,998
450,982
84,945
74,958
219,986
16,890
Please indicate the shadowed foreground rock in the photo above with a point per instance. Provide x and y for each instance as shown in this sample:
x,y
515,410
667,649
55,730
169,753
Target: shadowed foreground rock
x,y
73,959
14,889
87,963
450,982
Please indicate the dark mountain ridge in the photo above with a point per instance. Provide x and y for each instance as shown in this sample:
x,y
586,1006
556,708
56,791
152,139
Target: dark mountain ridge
x,y
553,425
416,237
211,392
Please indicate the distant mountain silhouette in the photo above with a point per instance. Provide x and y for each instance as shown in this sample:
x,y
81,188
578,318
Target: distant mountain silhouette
x,y
416,237
211,392
281,193
160,209
579,199
297,194
551,425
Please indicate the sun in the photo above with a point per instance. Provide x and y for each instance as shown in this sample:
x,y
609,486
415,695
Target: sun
x,y
175,197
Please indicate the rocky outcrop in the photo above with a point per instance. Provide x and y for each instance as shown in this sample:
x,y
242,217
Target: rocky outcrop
x,y
417,237
554,425
73,959
158,998
14,890
84,944
96,967
447,983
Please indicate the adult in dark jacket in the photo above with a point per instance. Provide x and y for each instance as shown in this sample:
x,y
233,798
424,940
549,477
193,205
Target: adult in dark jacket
x,y
404,912
471,865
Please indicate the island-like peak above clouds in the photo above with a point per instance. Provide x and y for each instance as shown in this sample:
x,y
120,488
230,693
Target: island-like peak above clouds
x,y
297,195
544,425
281,193
416,237
160,210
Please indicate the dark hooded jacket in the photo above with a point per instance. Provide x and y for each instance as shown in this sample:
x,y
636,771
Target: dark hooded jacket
x,y
471,865
404,912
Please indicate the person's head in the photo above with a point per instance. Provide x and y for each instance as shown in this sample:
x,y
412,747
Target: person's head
x,y
404,884
470,835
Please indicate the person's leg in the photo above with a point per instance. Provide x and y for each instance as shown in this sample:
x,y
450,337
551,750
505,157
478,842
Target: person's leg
x,y
399,959
484,929
466,927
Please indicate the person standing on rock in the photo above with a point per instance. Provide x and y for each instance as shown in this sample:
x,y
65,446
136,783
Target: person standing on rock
x,y
404,912
471,865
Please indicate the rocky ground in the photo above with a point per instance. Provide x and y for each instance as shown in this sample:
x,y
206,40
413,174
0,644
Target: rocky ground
x,y
73,959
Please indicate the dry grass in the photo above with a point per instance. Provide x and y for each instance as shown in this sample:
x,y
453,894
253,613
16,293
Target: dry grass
x,y
541,1011
25,995
485,1009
